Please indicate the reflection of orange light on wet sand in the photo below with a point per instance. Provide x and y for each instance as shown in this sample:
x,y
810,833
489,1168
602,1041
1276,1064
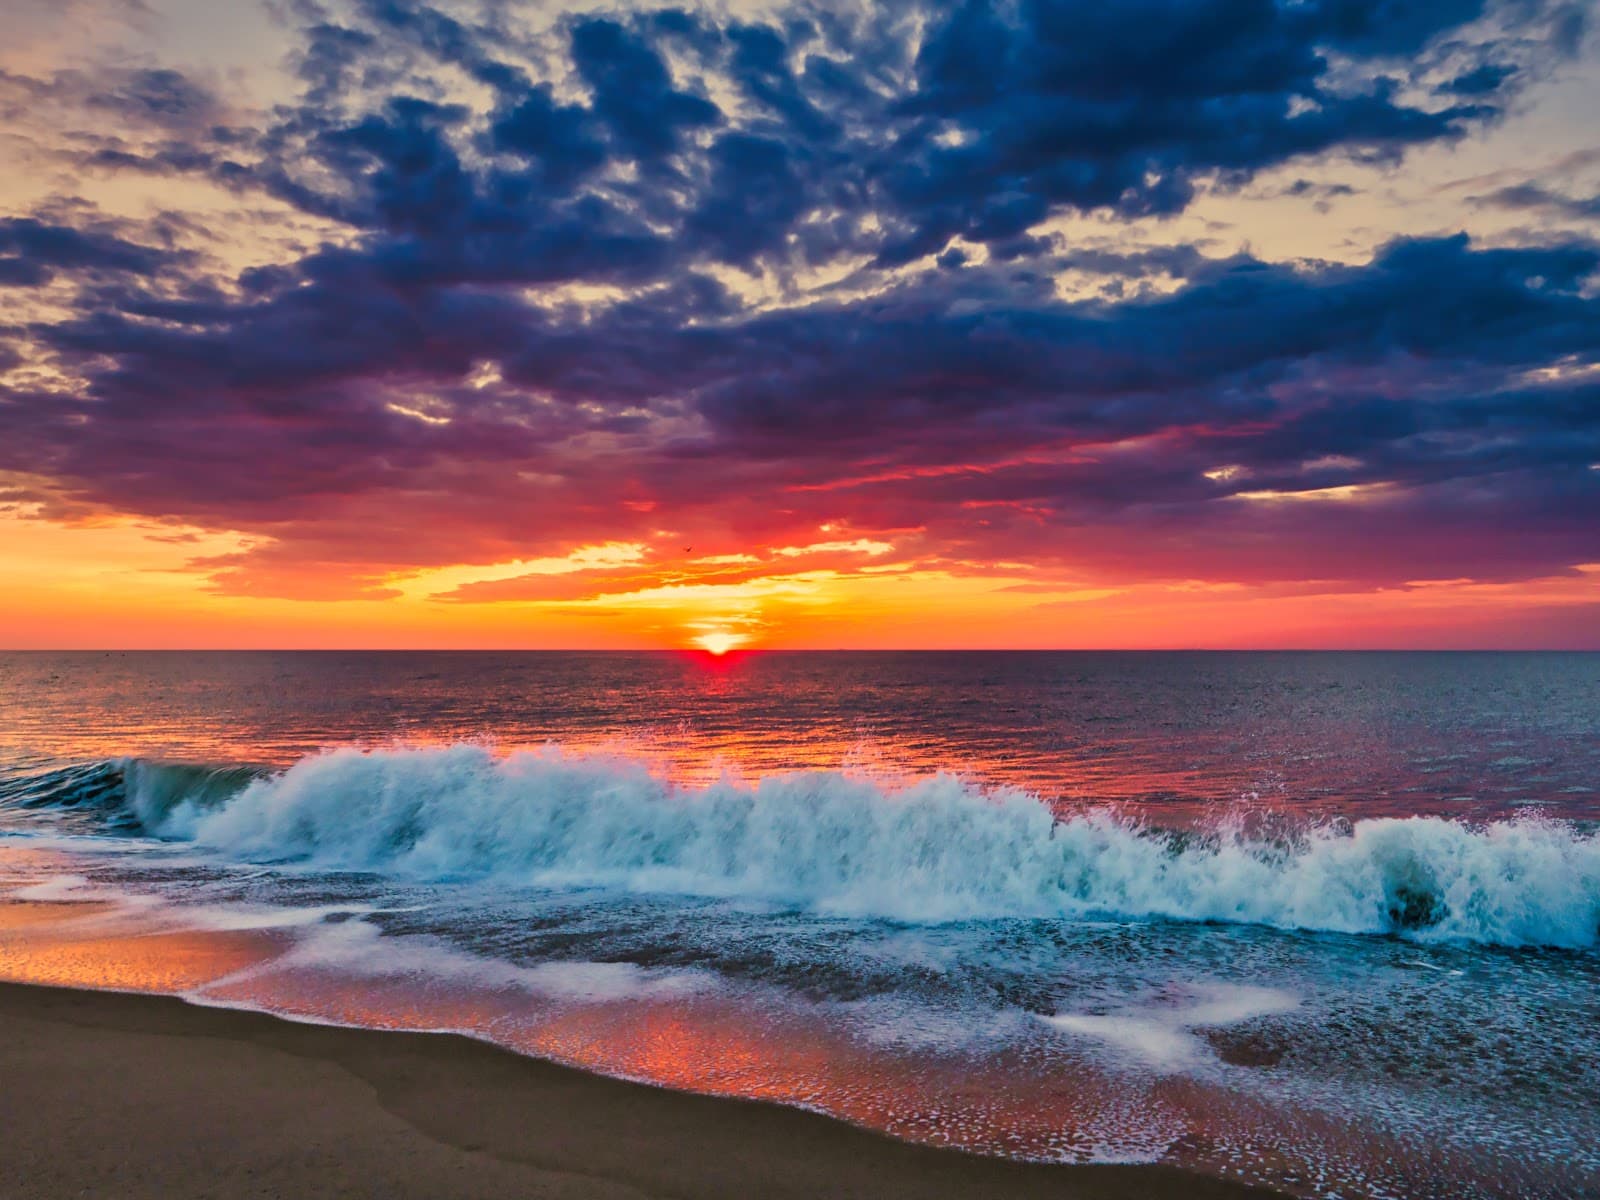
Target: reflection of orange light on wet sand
x,y
1008,1106
678,1046
1003,1108
394,1002
67,945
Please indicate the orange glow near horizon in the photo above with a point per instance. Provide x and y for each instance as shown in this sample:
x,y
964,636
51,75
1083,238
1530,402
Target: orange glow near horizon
x,y
124,584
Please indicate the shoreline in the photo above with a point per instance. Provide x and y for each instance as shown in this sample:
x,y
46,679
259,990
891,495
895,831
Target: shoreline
x,y
112,1094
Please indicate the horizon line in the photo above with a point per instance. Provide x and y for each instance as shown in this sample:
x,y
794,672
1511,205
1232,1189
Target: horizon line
x,y
746,651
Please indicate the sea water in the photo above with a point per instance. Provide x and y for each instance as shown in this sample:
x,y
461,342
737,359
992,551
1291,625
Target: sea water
x,y
1324,921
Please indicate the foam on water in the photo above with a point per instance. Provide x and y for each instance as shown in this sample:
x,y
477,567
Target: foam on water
x,y
1225,1047
1161,1035
356,948
937,849
61,887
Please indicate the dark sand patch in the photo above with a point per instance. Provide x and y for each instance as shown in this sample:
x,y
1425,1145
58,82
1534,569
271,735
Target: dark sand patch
x,y
111,1095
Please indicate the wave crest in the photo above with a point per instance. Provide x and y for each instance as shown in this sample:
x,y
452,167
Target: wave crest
x,y
938,849
125,795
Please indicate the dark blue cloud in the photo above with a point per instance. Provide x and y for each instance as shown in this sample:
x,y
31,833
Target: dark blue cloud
x,y
561,140
132,97
33,252
570,241
1532,197
1002,116
633,93
158,95
1130,107
1481,80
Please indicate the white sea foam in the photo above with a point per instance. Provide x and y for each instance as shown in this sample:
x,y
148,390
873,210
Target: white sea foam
x,y
937,849
62,887
241,917
356,948
1161,1035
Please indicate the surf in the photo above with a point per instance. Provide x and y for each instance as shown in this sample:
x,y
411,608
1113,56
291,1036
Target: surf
x,y
935,849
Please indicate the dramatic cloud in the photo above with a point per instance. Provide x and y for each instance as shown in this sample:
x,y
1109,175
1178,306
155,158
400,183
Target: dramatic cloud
x,y
32,252
1533,198
660,277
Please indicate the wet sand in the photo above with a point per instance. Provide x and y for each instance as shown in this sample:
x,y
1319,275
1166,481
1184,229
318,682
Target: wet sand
x,y
111,1095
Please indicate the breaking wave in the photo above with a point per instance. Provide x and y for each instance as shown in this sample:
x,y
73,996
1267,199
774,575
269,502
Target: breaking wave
x,y
938,849
125,795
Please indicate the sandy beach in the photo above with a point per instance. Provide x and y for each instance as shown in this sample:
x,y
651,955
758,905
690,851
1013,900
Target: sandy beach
x,y
116,1095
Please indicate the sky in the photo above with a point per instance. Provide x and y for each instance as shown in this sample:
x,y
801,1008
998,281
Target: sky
x,y
1037,323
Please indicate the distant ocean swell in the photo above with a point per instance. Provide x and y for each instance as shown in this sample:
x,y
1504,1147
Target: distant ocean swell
x,y
936,850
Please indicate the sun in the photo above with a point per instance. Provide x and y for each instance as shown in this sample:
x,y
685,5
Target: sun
x,y
719,641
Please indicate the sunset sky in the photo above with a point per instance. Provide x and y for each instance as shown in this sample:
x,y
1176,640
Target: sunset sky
x,y
1125,323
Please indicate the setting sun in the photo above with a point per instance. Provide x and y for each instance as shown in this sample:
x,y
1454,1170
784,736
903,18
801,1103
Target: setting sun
x,y
720,641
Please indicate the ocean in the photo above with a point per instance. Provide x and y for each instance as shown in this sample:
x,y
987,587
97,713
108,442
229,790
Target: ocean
x,y
1326,921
